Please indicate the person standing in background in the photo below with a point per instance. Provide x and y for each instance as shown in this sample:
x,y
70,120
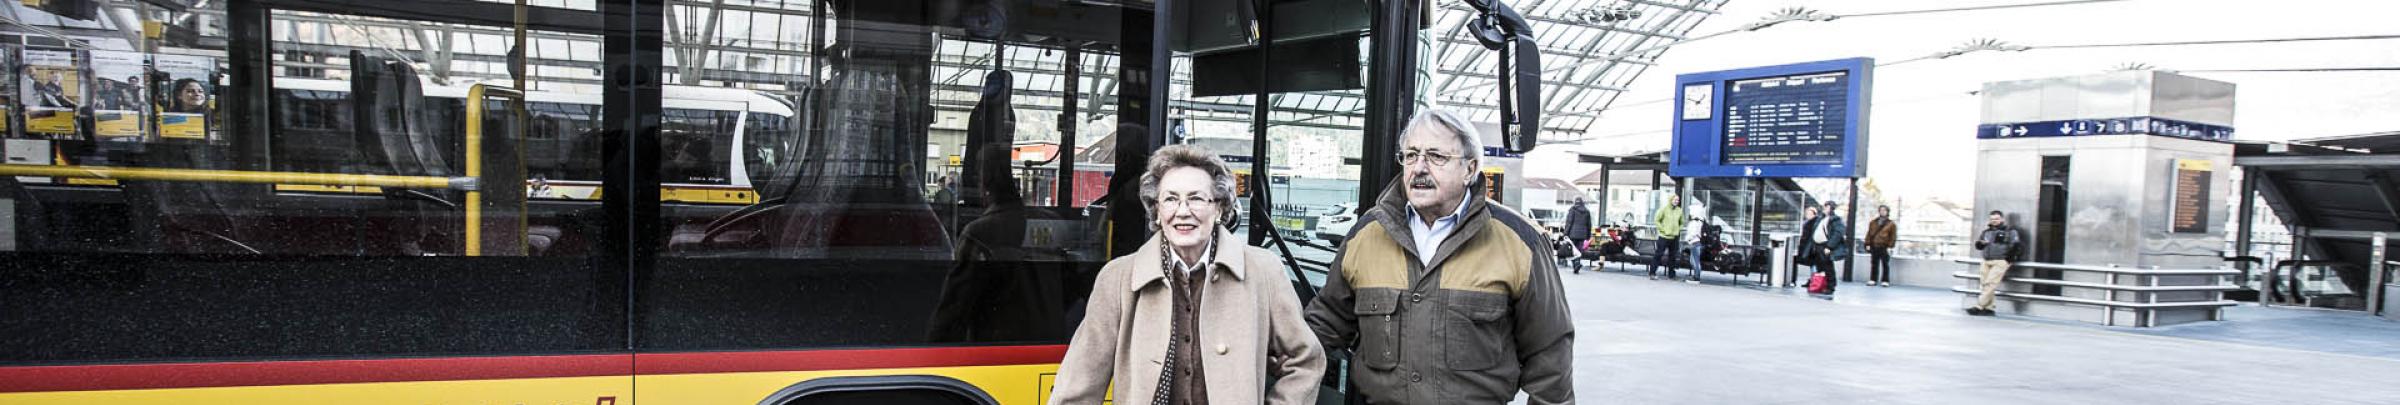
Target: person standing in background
x,y
1881,235
2000,245
1669,223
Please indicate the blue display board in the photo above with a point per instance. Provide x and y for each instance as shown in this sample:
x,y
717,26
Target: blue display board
x,y
1797,120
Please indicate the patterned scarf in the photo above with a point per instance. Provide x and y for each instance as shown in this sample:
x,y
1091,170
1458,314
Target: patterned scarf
x,y
1166,376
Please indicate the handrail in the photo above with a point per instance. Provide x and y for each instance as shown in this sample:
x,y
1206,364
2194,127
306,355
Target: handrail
x,y
2117,304
237,176
474,144
2137,288
2119,270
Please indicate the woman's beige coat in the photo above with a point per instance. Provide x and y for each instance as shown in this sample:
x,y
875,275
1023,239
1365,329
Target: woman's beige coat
x,y
1255,347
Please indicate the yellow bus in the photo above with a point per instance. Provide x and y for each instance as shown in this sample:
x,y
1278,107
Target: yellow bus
x,y
594,202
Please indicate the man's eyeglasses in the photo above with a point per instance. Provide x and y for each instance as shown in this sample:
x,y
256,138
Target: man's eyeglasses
x,y
1434,158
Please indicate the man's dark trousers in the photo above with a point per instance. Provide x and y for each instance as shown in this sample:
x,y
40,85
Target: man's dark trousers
x,y
1665,256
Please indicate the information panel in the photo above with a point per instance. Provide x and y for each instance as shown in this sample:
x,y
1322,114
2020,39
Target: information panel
x,y
2189,212
1796,120
1786,120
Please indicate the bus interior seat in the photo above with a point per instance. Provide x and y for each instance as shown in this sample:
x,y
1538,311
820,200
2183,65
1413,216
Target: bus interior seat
x,y
25,217
191,217
394,138
990,123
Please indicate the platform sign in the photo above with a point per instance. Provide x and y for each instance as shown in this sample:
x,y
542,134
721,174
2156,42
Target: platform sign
x,y
1797,120
2189,197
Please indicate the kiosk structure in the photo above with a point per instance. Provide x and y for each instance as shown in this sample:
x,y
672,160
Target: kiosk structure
x,y
2117,182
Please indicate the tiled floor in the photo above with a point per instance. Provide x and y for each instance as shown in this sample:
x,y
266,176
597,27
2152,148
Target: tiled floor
x,y
1728,341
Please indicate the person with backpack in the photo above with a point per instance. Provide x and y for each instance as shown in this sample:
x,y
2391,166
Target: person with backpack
x,y
2000,244
1704,247
1564,249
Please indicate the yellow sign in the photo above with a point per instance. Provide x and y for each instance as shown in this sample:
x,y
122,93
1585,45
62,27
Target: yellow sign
x,y
2194,165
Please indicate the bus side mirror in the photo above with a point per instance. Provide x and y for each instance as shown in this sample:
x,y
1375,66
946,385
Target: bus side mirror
x,y
1499,28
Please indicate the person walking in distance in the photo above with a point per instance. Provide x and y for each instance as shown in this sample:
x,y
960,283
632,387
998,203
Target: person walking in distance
x,y
1579,230
1444,297
1669,223
2000,245
1881,235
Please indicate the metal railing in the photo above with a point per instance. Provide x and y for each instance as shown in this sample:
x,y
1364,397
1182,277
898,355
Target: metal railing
x,y
2145,288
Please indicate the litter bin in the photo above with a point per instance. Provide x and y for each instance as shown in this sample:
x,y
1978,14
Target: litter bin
x,y
1779,269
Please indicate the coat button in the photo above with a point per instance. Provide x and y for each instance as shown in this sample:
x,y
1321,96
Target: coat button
x,y
1414,377
1416,297
1221,349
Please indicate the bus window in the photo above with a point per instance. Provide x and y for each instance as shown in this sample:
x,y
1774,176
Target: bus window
x,y
695,146
562,142
318,221
924,200
767,146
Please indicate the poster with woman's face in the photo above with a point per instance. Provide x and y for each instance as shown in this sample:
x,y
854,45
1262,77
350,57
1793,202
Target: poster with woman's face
x,y
53,89
186,93
120,98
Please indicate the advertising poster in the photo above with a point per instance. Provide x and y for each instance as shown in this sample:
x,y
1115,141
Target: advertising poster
x,y
120,98
53,89
187,92
8,90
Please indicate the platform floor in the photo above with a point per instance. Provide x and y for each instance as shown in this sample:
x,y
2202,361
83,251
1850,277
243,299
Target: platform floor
x,y
1732,342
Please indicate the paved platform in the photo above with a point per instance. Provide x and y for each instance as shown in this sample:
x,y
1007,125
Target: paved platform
x,y
1729,341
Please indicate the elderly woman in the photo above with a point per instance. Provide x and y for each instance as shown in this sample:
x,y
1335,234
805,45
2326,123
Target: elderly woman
x,y
1192,317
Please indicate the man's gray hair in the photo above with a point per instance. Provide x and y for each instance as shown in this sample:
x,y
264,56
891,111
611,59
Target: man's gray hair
x,y
1175,156
1468,139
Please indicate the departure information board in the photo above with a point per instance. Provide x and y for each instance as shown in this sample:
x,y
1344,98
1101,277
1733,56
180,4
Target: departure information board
x,y
1786,120
1797,120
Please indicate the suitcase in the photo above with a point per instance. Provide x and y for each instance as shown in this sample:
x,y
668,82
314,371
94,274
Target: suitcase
x,y
1818,285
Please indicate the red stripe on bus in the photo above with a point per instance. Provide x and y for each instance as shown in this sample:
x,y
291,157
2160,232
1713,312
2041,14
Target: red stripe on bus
x,y
819,360
239,374
269,373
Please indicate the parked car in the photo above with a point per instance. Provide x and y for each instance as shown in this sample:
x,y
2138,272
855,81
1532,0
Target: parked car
x,y
1336,223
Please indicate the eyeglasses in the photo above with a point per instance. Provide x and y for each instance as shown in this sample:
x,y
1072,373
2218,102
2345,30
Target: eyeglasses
x,y
1178,202
1434,158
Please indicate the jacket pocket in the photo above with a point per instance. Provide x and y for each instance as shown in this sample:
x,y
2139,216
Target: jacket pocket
x,y
1378,329
1475,331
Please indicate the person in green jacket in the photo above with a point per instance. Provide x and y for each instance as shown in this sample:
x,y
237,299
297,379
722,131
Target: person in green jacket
x,y
1669,222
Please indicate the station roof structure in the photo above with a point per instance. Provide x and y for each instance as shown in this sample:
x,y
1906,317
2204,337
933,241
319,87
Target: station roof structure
x,y
2336,192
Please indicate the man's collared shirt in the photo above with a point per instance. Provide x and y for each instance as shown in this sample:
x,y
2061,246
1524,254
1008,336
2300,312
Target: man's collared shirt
x,y
1429,237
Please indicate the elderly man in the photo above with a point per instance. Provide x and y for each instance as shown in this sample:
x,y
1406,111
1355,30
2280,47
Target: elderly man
x,y
1445,298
